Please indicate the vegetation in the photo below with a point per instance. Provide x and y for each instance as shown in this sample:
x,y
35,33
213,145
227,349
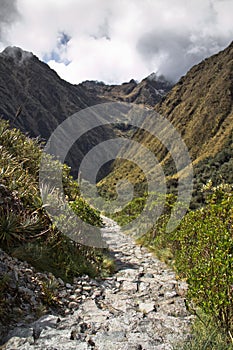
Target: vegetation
x,y
218,168
26,231
130,211
204,256
200,108
206,335
201,251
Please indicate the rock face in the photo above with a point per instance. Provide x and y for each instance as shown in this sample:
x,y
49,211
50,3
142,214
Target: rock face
x,y
140,307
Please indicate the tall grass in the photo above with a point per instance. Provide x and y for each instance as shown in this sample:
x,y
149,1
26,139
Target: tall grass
x,y
26,230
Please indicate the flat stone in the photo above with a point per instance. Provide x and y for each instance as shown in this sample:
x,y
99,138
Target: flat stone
x,y
87,288
129,286
78,290
146,307
170,294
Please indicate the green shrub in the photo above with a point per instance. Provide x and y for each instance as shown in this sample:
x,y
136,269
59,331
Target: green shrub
x,y
85,212
130,211
17,228
205,256
201,250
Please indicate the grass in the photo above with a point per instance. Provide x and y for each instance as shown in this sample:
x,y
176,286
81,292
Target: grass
x,y
205,335
26,230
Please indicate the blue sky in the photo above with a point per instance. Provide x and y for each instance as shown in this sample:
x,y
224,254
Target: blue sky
x,y
117,40
58,54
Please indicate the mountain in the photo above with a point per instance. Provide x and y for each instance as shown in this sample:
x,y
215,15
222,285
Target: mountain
x,y
43,100
200,107
36,100
148,92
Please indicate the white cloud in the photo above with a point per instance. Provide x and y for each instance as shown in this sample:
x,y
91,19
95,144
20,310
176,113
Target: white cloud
x,y
114,41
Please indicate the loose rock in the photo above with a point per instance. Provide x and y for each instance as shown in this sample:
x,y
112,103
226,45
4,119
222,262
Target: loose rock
x,y
140,307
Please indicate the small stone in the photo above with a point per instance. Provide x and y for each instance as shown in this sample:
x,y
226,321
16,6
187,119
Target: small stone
x,y
149,275
67,311
91,342
87,288
96,294
129,286
63,294
146,307
78,290
94,283
143,286
171,294
72,305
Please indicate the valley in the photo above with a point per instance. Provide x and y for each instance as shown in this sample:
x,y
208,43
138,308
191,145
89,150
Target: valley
x,y
140,280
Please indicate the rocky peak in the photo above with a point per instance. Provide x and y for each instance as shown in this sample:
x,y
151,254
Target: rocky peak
x,y
16,54
149,91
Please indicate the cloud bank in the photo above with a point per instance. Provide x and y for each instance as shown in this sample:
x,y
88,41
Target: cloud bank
x,y
8,14
114,41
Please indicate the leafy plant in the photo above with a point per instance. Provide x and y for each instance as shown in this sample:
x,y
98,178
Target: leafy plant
x,y
49,291
205,256
201,251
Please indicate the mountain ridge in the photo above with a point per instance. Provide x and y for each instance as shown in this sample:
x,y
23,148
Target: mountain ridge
x,y
36,100
147,92
200,107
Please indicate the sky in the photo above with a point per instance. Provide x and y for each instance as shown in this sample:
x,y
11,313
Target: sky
x,y
115,41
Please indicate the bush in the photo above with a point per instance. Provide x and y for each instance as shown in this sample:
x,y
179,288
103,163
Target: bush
x,y
201,250
205,255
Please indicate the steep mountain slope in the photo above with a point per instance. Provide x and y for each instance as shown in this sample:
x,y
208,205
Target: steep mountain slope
x,y
200,106
45,99
28,87
34,93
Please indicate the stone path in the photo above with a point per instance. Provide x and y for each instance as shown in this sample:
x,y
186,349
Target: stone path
x,y
140,307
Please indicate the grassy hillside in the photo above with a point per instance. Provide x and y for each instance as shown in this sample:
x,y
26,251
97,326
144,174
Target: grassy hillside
x,y
26,231
200,107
